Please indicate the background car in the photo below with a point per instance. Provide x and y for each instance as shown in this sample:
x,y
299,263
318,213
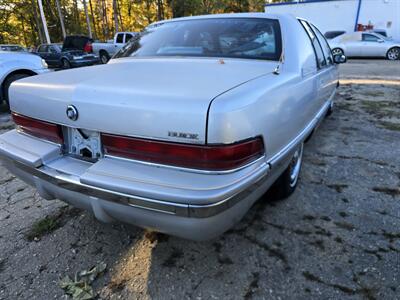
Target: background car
x,y
14,66
107,50
365,44
72,53
13,48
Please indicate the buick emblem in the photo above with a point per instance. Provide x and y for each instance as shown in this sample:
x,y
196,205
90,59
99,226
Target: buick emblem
x,y
72,113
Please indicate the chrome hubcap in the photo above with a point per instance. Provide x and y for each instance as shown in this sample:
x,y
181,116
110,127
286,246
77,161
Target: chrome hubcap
x,y
394,54
337,52
295,166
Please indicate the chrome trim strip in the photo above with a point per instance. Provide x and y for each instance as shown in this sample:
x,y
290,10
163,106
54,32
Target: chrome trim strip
x,y
72,183
199,171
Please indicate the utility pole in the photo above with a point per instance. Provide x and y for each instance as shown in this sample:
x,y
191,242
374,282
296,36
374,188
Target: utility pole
x,y
46,32
87,18
61,18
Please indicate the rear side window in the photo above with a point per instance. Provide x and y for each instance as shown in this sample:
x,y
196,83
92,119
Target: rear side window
x,y
369,38
128,36
324,44
42,48
321,62
120,38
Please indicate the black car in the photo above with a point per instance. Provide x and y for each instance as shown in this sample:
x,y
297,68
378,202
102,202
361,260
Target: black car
x,y
74,52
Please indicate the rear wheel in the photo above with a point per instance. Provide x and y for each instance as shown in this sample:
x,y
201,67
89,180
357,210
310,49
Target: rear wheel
x,y
287,182
7,84
393,53
65,64
104,57
337,51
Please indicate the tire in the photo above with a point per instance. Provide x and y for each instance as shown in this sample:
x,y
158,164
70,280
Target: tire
x,y
65,64
7,84
337,51
104,57
330,109
286,184
393,53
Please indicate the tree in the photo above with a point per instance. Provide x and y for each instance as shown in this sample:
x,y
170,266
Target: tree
x,y
21,20
87,18
60,15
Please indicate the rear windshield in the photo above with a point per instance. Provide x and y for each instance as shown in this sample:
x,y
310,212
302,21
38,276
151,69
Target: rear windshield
x,y
253,38
75,42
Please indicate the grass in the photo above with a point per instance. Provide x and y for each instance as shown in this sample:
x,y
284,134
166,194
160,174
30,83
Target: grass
x,y
390,125
43,227
381,109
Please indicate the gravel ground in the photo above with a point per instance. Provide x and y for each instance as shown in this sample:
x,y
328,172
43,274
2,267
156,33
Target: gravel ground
x,y
336,237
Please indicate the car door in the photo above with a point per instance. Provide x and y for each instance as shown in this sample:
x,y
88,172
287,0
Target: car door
x,y
322,75
42,51
330,73
372,45
119,42
352,44
53,55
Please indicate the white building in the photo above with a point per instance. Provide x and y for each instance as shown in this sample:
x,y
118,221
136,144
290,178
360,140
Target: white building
x,y
347,15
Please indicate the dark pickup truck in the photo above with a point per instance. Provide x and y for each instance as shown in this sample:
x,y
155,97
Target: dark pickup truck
x,y
76,51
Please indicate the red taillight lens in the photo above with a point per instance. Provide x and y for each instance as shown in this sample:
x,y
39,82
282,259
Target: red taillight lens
x,y
40,129
88,48
216,157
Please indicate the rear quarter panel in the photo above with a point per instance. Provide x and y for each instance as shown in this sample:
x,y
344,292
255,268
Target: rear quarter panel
x,y
276,107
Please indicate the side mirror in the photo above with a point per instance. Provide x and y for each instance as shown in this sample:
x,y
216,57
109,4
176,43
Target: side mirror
x,y
380,41
339,58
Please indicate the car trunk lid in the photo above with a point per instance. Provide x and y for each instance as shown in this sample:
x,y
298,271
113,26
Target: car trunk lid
x,y
158,98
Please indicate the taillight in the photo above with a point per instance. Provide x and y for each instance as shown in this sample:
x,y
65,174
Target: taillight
x,y
40,129
205,157
88,47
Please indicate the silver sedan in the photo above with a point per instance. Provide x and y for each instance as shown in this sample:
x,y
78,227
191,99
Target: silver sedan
x,y
365,44
184,129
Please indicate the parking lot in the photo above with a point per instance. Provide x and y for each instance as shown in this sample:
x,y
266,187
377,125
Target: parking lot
x,y
336,237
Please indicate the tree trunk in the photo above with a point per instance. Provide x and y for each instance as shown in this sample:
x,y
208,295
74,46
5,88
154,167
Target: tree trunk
x,y
37,21
77,17
115,16
120,16
105,19
23,30
93,19
60,15
43,17
160,10
87,18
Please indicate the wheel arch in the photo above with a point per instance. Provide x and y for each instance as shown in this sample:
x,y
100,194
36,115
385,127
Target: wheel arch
x,y
14,72
391,48
340,48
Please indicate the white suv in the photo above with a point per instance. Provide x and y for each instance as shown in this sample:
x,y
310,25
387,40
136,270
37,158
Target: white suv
x,y
16,65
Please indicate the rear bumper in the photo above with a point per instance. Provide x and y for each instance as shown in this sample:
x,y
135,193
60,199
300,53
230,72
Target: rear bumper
x,y
84,62
196,206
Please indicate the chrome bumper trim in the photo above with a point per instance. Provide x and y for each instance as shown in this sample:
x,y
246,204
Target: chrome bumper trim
x,y
72,183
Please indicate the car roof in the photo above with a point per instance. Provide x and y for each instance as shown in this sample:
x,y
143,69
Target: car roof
x,y
227,16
